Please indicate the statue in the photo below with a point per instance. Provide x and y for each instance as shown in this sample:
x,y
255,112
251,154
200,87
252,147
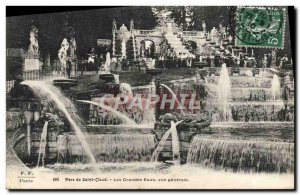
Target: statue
x,y
114,26
123,35
213,33
62,55
131,25
204,26
33,50
222,31
123,29
274,58
197,121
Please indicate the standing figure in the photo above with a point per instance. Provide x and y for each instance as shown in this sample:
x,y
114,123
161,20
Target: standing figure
x,y
33,50
274,58
91,60
217,60
124,64
161,62
264,61
69,67
242,61
284,61
62,55
269,60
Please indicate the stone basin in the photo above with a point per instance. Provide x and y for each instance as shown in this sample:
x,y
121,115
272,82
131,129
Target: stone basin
x,y
65,84
154,72
107,77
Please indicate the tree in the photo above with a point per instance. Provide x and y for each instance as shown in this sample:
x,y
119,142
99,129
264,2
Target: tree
x,y
87,26
178,13
212,15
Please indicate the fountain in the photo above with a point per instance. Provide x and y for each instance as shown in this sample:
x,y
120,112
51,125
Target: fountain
x,y
123,117
123,35
174,96
123,48
275,87
107,62
224,93
124,147
251,130
104,72
184,146
64,83
175,143
129,141
47,91
123,135
251,99
188,126
42,148
62,55
28,117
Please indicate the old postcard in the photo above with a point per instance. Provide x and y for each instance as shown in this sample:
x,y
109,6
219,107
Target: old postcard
x,y
161,97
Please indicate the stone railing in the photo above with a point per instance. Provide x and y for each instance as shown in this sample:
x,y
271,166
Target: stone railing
x,y
147,32
9,85
33,75
144,32
16,52
192,33
189,33
43,75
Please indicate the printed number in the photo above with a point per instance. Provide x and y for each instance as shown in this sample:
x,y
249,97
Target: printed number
x,y
55,179
273,41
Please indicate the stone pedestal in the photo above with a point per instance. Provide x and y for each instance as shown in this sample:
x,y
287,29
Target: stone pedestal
x,y
32,64
193,124
33,69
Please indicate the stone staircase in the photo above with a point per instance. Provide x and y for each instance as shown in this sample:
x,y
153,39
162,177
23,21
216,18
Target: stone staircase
x,y
176,43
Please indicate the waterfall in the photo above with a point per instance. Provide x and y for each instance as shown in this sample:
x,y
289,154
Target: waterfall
x,y
242,155
62,147
149,114
163,140
123,48
275,87
45,90
175,143
133,45
224,93
123,117
43,143
251,100
109,147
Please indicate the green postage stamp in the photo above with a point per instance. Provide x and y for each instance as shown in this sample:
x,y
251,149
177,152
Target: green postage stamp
x,y
260,27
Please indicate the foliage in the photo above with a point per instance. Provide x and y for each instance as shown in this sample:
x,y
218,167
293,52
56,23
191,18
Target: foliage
x,y
86,26
191,46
